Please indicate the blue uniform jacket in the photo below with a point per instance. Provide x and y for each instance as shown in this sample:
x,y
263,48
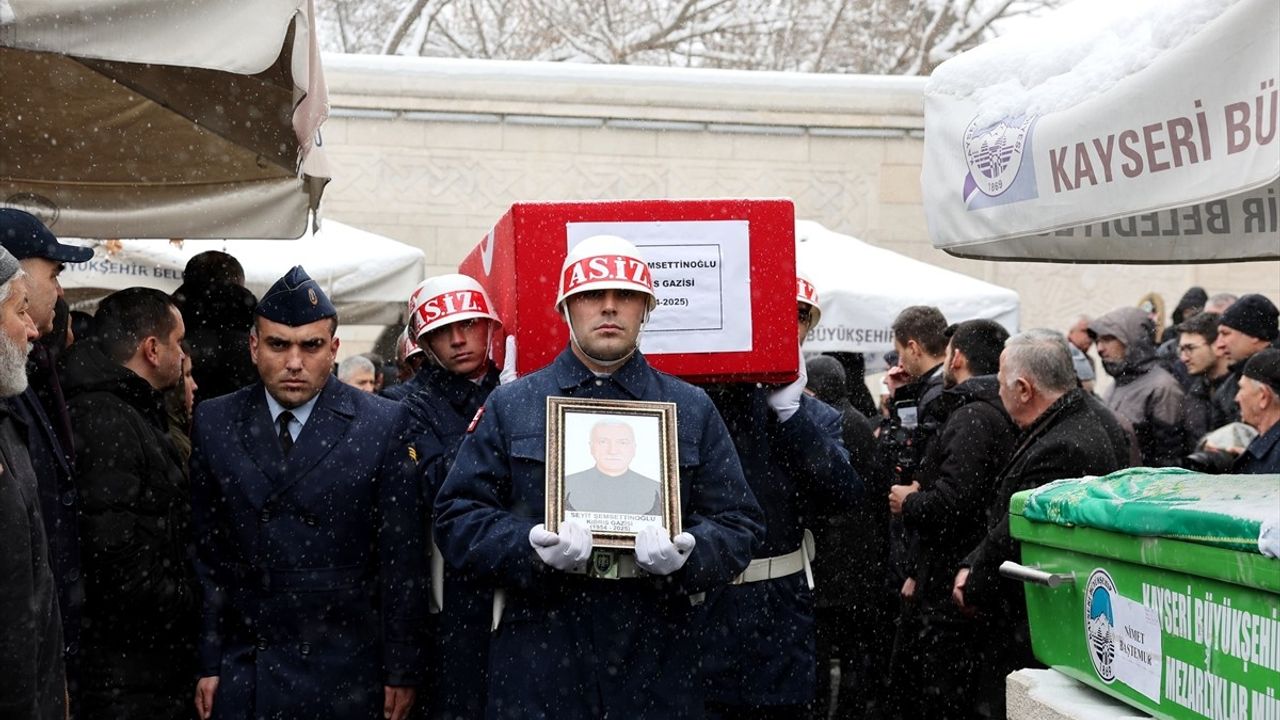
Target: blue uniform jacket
x,y
571,646
760,640
400,391
311,569
441,405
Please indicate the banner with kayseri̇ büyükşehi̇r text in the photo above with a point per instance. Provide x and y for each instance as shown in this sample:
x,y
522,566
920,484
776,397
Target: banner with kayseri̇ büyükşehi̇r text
x,y
1178,161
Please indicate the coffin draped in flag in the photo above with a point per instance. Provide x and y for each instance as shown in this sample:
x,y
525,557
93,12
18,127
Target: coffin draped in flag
x,y
184,118
1142,131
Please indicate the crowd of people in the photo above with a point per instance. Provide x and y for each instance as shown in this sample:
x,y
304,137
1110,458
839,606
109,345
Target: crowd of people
x,y
203,514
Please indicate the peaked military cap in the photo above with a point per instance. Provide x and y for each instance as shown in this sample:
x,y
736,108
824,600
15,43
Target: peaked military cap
x,y
295,299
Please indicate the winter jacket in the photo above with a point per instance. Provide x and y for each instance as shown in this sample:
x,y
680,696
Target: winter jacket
x,y
1144,393
442,406
1073,437
957,482
32,681
1262,455
137,656
1200,414
59,506
849,569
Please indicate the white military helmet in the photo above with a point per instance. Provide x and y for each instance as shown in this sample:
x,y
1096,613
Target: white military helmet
x,y
406,347
808,294
604,262
446,299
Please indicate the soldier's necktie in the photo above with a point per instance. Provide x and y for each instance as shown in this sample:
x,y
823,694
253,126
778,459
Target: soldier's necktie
x,y
286,437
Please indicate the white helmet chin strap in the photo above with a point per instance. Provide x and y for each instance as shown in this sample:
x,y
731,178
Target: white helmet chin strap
x,y
610,364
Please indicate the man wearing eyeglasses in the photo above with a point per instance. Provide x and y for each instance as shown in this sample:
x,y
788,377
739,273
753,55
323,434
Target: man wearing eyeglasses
x,y
1208,368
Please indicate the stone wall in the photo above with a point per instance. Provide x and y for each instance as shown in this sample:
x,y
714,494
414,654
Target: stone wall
x,y
431,152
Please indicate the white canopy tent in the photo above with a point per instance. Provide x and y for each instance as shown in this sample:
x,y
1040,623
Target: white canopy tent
x,y
1142,131
368,277
184,118
862,288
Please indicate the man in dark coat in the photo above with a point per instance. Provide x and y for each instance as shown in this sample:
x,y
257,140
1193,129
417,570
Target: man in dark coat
x,y
1208,369
946,511
760,649
309,534
1259,400
1064,434
575,642
139,613
48,434
33,681
854,603
218,311
443,397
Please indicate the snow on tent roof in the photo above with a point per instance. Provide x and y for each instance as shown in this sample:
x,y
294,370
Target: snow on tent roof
x,y
1068,56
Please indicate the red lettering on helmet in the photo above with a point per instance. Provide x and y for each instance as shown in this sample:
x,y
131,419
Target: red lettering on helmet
x,y
806,288
452,303
607,267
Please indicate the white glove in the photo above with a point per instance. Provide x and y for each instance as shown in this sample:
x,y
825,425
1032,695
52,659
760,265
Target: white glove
x,y
659,555
565,550
508,371
786,401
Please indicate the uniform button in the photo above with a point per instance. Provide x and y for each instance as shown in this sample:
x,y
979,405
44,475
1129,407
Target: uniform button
x,y
262,643
305,648
264,516
599,383
74,575
310,521
69,498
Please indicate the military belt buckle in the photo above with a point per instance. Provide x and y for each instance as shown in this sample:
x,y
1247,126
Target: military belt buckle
x,y
604,564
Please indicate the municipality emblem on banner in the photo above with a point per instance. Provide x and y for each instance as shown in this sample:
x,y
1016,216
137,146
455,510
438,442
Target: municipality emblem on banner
x,y
1100,622
1001,168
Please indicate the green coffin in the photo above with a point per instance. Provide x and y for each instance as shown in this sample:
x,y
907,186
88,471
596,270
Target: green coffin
x,y
1168,603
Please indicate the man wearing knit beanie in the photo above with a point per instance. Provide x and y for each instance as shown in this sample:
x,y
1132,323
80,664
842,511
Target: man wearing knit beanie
x,y
1259,400
1249,326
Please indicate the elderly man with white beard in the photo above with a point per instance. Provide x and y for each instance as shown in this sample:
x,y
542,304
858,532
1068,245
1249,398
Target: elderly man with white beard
x,y
33,684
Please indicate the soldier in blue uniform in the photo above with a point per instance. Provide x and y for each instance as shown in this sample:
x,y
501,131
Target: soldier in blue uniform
x,y
572,642
760,654
308,529
452,320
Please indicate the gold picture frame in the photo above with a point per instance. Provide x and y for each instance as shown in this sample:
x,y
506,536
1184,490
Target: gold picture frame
x,y
602,455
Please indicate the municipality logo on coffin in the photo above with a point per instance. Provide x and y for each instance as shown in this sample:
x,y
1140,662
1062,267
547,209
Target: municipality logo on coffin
x,y
1100,622
1001,170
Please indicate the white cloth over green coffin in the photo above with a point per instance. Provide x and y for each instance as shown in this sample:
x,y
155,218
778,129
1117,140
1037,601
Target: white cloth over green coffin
x,y
1240,512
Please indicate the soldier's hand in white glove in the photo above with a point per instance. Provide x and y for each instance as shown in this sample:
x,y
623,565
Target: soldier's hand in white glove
x,y
508,371
786,400
658,554
564,550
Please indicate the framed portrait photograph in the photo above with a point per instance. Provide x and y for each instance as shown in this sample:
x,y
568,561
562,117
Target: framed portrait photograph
x,y
614,465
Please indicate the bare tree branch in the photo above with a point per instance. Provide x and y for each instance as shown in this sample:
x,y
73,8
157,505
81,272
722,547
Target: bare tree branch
x,y
848,36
